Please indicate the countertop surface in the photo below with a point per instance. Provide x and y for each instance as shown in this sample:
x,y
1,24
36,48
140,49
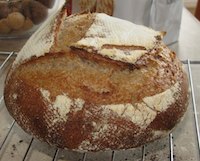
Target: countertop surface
x,y
188,46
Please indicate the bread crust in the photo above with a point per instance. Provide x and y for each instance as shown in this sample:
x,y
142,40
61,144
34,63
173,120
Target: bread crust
x,y
98,81
91,82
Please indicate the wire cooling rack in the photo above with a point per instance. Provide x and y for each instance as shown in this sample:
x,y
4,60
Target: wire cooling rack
x,y
181,145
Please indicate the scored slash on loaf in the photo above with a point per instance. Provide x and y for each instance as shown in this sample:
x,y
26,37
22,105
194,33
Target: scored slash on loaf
x,y
91,82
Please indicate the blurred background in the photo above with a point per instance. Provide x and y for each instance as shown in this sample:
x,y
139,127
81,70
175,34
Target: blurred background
x,y
191,5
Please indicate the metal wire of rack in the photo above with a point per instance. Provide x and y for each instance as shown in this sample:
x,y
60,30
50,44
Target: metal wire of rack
x,y
113,153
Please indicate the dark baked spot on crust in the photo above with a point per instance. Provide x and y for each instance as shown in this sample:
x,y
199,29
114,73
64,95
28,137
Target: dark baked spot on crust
x,y
120,135
75,130
28,109
123,47
158,38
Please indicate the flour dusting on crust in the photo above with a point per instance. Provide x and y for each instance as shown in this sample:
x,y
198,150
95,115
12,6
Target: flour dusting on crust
x,y
160,102
104,30
107,30
62,105
142,114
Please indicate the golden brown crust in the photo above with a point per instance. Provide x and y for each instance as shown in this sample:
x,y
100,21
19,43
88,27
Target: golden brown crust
x,y
107,75
98,81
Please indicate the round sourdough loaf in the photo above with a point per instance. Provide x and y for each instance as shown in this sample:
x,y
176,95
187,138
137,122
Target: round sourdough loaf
x,y
92,82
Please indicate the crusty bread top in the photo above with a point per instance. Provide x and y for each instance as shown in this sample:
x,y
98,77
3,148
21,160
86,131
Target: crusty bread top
x,y
111,37
108,36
